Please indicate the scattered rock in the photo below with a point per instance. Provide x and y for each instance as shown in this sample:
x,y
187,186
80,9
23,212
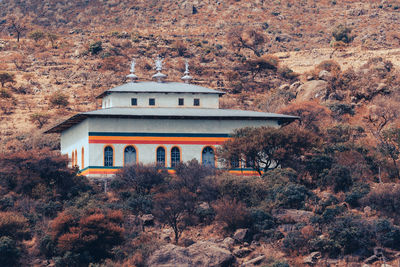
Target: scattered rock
x,y
255,261
228,242
312,90
325,75
242,252
187,242
294,86
284,87
371,259
312,258
241,235
199,254
147,219
204,206
292,216
254,244
283,38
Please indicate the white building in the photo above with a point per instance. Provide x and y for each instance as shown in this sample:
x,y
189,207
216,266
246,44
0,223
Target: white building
x,y
154,122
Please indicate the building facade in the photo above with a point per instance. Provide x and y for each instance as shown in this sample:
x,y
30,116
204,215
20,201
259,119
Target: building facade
x,y
155,122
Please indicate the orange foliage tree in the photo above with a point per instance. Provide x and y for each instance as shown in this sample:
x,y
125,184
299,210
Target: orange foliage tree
x,y
92,232
22,172
312,114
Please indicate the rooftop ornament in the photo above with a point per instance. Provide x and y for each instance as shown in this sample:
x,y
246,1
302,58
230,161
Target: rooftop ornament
x,y
187,77
132,75
159,76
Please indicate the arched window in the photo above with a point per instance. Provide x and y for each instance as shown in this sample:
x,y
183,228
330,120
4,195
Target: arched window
x,y
161,156
108,156
175,156
235,162
83,158
129,155
208,157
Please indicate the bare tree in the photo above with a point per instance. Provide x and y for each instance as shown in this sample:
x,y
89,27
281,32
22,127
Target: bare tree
x,y
17,25
251,39
380,118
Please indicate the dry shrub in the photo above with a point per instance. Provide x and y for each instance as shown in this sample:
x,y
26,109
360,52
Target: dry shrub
x,y
14,225
227,103
312,114
232,212
7,106
385,198
180,48
113,63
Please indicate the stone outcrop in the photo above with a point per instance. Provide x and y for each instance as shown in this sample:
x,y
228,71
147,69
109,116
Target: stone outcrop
x,y
202,253
315,89
241,235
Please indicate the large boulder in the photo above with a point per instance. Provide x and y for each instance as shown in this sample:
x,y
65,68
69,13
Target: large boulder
x,y
242,235
315,89
312,258
325,75
256,261
202,253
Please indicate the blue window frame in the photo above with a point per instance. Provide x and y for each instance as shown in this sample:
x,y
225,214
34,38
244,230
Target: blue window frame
x,y
108,156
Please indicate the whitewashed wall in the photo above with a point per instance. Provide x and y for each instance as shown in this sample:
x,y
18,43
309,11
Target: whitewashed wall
x,y
162,100
75,138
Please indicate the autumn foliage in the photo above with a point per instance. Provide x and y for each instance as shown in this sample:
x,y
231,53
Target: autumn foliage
x,y
92,232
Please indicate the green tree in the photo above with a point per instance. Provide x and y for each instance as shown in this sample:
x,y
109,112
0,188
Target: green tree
x,y
342,33
37,35
95,48
59,99
263,148
39,118
9,252
52,38
6,77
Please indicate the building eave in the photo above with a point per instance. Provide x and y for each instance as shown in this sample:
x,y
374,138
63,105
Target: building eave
x,y
282,120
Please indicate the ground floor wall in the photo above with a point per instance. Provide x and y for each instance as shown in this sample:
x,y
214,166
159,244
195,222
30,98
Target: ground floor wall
x,y
191,138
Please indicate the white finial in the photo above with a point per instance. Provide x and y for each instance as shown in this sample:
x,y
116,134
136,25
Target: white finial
x,y
159,64
187,77
133,65
159,76
132,76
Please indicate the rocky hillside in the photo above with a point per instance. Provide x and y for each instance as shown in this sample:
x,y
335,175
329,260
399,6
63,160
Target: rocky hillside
x,y
333,63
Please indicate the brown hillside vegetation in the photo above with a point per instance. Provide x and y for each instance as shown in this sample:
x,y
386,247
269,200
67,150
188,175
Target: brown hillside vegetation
x,y
335,64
